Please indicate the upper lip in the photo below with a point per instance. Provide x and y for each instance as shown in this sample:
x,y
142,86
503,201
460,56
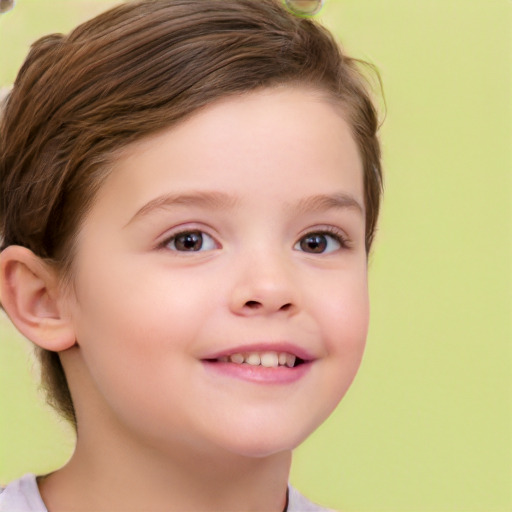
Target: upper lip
x,y
278,347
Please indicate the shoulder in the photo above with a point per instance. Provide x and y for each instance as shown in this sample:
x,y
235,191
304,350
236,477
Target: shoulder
x,y
298,503
22,495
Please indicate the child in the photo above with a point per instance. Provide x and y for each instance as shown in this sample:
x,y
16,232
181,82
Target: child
x,y
189,194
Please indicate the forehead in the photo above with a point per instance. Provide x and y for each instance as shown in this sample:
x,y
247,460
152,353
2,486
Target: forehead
x,y
264,143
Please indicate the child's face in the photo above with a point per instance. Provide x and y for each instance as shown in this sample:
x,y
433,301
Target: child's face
x,y
218,237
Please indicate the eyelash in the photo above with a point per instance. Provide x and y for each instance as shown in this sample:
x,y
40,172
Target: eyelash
x,y
330,232
334,233
165,244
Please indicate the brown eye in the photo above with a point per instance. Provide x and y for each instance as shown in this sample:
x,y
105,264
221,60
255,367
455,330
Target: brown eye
x,y
313,243
191,241
319,243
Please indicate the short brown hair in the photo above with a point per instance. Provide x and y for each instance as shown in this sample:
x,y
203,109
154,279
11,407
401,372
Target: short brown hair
x,y
133,71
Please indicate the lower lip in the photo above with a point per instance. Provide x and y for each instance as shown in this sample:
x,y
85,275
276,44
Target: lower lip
x,y
259,374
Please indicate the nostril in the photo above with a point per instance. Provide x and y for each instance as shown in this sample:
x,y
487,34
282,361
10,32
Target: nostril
x,y
256,305
253,304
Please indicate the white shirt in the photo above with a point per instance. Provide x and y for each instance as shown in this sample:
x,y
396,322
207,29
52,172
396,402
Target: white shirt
x,y
23,495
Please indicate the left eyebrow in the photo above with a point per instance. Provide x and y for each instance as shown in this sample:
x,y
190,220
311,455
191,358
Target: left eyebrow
x,y
211,200
324,202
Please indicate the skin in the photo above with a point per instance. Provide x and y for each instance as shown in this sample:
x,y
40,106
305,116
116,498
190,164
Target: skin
x,y
156,429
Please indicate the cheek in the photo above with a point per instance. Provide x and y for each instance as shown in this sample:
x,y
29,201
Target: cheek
x,y
344,312
339,315
131,319
345,317
136,300
133,333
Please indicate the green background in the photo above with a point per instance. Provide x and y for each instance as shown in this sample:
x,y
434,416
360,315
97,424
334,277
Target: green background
x,y
427,423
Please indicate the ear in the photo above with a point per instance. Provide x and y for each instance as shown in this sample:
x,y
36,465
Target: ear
x,y
31,296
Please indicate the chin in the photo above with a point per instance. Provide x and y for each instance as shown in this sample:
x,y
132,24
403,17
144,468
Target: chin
x,y
261,442
259,450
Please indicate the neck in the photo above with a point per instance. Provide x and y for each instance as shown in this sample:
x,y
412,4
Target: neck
x,y
115,473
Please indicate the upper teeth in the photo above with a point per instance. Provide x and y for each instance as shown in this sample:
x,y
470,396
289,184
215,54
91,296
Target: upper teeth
x,y
267,359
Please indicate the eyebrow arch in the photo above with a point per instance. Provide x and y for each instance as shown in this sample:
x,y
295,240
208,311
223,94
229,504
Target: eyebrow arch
x,y
223,201
323,202
210,200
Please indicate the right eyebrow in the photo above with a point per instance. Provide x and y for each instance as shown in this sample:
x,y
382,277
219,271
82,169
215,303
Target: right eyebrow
x,y
210,200
323,202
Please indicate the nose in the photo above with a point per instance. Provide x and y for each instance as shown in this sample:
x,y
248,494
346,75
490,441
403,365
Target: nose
x,y
263,286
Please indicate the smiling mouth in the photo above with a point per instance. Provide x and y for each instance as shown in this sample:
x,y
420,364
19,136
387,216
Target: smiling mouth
x,y
266,359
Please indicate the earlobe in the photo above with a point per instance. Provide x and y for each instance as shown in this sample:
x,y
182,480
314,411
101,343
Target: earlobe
x,y
30,294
